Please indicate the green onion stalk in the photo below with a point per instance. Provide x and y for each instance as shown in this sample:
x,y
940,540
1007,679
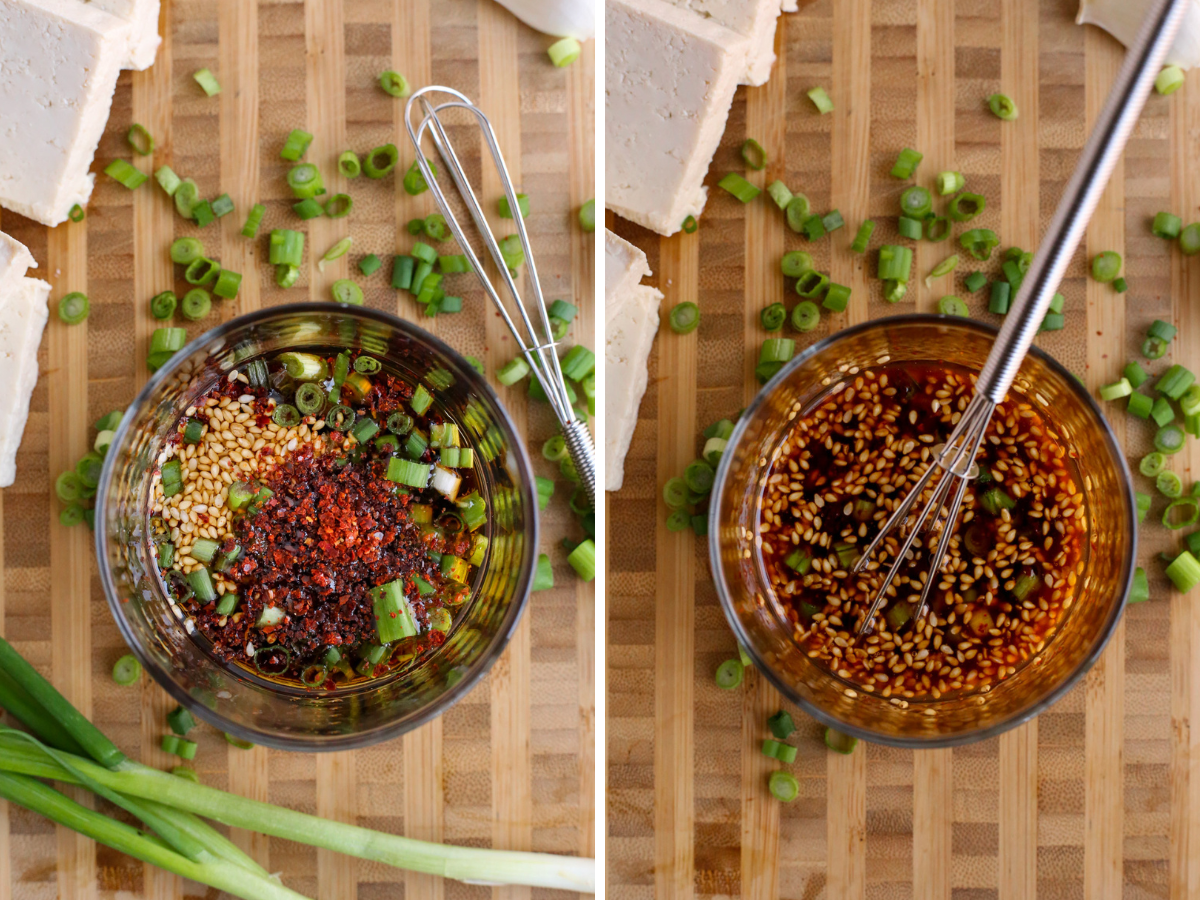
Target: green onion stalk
x,y
183,843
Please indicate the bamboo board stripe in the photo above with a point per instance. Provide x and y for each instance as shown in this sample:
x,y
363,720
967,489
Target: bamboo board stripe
x,y
509,680
766,117
935,129
1019,208
1183,876
1103,771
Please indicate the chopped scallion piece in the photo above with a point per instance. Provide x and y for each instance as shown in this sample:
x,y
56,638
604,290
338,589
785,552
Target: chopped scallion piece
x,y
505,210
1169,80
1140,405
684,317
1002,107
729,674
795,263
196,304
950,183
966,207
780,194
346,291
127,670
739,187
1166,226
305,181
394,83
754,155
76,214
821,100
906,163
564,52
783,786
73,308
1189,240
208,82
583,560
979,242
916,202
863,237
895,263
296,145
125,173
140,139
1116,390
910,228
772,317
587,216
1136,374
837,297
1106,266
806,316
1184,572
976,281
1120,285
250,229
945,267
953,306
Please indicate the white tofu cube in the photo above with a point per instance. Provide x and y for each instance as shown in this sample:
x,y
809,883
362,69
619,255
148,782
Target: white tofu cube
x,y
15,261
753,19
670,77
631,321
23,314
143,40
59,62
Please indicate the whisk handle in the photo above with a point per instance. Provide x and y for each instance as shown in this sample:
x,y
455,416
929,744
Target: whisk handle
x,y
1104,147
579,447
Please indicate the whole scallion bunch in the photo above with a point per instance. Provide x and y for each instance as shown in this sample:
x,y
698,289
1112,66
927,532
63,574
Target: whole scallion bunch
x,y
64,746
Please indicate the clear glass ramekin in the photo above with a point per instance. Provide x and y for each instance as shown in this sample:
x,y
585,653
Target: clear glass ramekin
x,y
257,709
757,618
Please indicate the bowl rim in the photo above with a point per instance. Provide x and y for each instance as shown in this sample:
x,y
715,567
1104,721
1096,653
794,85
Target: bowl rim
x,y
506,628
876,737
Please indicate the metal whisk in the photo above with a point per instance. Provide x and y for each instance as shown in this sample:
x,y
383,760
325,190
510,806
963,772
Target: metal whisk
x,y
536,338
956,460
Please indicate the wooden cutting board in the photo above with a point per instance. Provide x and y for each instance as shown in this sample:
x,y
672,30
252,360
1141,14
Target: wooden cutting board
x,y
513,764
1100,796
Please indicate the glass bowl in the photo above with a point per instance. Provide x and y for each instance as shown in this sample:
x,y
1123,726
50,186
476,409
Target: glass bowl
x,y
757,617
282,715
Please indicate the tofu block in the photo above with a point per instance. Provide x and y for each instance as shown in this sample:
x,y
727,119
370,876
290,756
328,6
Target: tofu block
x,y
754,20
59,62
630,325
23,314
15,261
670,77
143,40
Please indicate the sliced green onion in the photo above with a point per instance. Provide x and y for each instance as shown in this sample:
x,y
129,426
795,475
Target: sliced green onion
x,y
906,163
370,264
402,272
583,560
1151,464
797,212
1175,381
1161,412
207,81
201,271
975,282
1188,507
994,500
863,237
675,493
228,283
127,670
945,267
222,206
895,263
296,145
587,216
250,229
1169,80
729,674
305,181
916,202
140,139
953,306
780,194
196,304
894,291
187,198
512,371
690,225
910,228
806,316
1169,439
1106,266
1143,505
795,263
167,180
783,786
414,180
1166,226
832,221
814,228
811,284
739,187
76,214
503,209
837,297
753,155
564,52
394,83
781,725
121,171
772,355
1116,390
73,308
338,206
1189,240
1168,484
286,275
308,209
821,100
966,207
1184,572
203,213
1140,405
346,291
979,242
839,742
512,251
1135,374
286,247
937,229
684,317
1002,107
950,183
1139,589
